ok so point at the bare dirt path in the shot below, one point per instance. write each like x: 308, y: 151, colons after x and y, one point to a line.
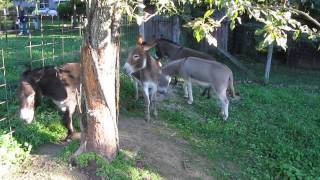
x: 160, y: 147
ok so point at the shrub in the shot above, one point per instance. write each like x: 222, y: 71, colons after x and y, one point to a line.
x: 12, y: 152
x: 65, y: 10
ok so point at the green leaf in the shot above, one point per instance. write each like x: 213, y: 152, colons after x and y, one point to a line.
x: 259, y: 32
x: 296, y: 34
x: 198, y: 34
x: 208, y: 13
x: 232, y: 25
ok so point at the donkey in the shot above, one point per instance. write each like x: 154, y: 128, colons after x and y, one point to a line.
x: 146, y: 70
x: 162, y: 82
x: 205, y: 73
x: 61, y: 84
x: 172, y: 51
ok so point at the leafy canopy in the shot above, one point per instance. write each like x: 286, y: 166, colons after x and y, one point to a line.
x: 279, y: 17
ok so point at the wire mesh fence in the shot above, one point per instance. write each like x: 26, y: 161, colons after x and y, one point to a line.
x: 129, y: 33
x: 49, y: 41
x: 52, y: 41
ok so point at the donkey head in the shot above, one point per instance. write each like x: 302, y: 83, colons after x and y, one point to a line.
x: 137, y: 57
x: 28, y: 93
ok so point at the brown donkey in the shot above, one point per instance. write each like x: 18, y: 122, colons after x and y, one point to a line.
x: 205, y: 73
x: 147, y: 71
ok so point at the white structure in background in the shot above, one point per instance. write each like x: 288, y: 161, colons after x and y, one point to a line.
x: 49, y: 7
x: 46, y: 7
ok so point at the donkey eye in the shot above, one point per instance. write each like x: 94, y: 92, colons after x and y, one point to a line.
x: 136, y: 57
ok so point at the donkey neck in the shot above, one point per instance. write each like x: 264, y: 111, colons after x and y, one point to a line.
x: 171, y: 49
x: 150, y: 63
x: 50, y: 85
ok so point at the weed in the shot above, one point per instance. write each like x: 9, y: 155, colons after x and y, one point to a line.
x: 122, y: 167
x: 12, y: 153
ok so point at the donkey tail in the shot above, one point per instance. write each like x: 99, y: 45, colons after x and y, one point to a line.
x: 231, y: 87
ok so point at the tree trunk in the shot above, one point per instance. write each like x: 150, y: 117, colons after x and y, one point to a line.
x: 100, y: 79
x: 268, y: 64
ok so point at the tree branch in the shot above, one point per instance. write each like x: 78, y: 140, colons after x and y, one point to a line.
x: 306, y: 15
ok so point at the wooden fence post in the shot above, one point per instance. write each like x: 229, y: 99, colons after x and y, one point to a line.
x: 268, y: 65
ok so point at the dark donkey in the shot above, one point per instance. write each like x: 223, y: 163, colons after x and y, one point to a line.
x: 61, y: 84
x: 173, y: 51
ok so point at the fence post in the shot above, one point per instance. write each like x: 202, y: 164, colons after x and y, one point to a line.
x: 62, y: 40
x: 141, y: 14
x: 42, y: 43
x: 176, y: 30
x: 30, y: 48
x: 268, y: 65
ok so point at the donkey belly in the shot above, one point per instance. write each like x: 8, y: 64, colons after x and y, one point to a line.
x: 199, y: 82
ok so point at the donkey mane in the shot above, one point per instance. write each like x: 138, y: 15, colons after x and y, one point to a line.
x: 169, y: 41
x: 38, y: 69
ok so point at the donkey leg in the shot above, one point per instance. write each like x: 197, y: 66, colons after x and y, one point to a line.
x: 175, y: 81
x: 136, y: 88
x: 185, y: 89
x: 146, y: 103
x: 67, y: 120
x: 204, y: 92
x: 189, y: 85
x: 208, y: 90
x: 224, y: 104
x: 154, y: 101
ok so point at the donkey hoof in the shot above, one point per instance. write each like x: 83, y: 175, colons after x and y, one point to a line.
x: 190, y: 102
x: 225, y: 117
x: 155, y: 114
x: 147, y: 118
x: 69, y: 137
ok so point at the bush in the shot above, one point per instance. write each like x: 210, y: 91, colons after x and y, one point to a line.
x: 12, y: 152
x: 65, y: 10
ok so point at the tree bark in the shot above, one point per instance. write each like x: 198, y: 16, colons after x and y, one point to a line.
x: 100, y: 79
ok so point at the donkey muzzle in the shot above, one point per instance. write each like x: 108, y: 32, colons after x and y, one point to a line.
x: 128, y: 68
x: 26, y: 115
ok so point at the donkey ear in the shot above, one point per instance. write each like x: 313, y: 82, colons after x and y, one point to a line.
x: 140, y: 41
x: 159, y: 63
x: 38, y: 75
x: 28, y: 67
x: 147, y: 46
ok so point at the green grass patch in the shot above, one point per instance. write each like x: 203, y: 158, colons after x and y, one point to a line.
x: 122, y: 167
x: 271, y: 133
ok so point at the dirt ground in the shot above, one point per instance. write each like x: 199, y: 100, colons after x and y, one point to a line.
x: 160, y: 147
